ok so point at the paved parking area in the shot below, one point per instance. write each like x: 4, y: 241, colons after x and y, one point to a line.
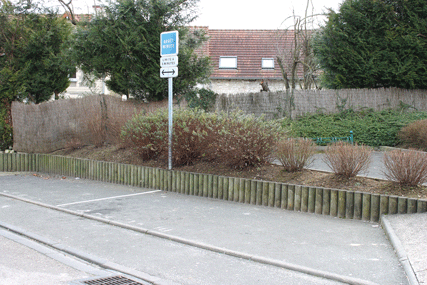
x: 193, y: 240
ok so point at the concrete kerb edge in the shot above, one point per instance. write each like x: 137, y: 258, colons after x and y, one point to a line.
x: 87, y: 257
x: 400, y: 251
x: 49, y: 251
x: 156, y: 280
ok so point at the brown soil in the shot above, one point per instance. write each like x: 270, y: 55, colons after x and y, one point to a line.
x: 264, y: 172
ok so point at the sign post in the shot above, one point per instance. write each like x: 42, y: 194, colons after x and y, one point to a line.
x: 169, y: 69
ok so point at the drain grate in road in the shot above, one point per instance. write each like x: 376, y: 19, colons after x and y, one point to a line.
x: 111, y: 280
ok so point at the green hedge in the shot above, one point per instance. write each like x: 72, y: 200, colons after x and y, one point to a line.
x: 373, y: 128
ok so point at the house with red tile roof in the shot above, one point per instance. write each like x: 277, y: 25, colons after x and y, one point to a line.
x: 243, y: 59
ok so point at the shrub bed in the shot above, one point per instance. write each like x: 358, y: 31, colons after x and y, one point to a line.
x: 373, y: 128
x: 235, y: 139
x: 346, y: 159
x: 295, y: 154
x: 414, y: 135
x: 406, y: 167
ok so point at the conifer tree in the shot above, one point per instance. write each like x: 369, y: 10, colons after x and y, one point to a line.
x: 34, y: 61
x: 374, y: 43
x: 122, y: 45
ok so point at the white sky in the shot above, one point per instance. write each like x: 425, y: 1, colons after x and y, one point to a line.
x: 264, y: 14
x: 242, y: 14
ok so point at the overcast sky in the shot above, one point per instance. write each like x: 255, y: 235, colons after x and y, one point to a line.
x: 264, y: 14
x: 243, y: 14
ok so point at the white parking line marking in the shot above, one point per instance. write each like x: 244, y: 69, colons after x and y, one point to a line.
x: 108, y: 198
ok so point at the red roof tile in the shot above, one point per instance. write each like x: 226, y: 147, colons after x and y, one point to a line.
x: 250, y: 47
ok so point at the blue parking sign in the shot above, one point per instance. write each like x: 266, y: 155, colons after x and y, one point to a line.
x: 169, y: 43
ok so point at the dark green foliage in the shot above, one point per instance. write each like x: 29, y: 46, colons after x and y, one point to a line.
x: 201, y: 98
x: 6, y: 134
x: 34, y: 61
x: 373, y: 128
x: 123, y: 45
x: 45, y: 59
x: 374, y: 43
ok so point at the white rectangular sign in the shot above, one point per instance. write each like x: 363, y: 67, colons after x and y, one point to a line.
x: 169, y: 72
x: 169, y: 61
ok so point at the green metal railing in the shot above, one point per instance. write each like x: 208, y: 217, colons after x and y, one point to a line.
x: 325, y: 141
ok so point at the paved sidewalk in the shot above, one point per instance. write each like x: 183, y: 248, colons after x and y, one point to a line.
x: 169, y: 238
x: 408, y: 234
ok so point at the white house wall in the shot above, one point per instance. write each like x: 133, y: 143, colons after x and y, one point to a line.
x: 236, y: 86
x: 79, y: 89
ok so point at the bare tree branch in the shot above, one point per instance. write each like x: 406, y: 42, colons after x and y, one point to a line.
x: 68, y: 6
x: 299, y: 58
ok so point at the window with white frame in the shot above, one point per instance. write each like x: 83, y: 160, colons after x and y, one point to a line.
x: 267, y: 63
x: 228, y: 62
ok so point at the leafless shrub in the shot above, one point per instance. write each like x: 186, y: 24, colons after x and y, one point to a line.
x: 346, y: 159
x: 294, y: 154
x: 414, y: 135
x: 245, y: 141
x: 406, y: 167
x: 191, y: 136
x: 73, y: 144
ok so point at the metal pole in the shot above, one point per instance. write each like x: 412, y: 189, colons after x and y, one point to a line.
x: 170, y: 122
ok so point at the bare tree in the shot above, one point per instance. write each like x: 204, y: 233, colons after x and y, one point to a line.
x: 298, y: 58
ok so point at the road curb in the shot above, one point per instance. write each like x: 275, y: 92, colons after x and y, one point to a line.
x: 400, y: 251
x: 103, y: 263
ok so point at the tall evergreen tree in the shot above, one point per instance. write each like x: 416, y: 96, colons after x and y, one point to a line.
x: 374, y: 43
x: 122, y: 45
x: 34, y: 52
x: 46, y: 57
x: 34, y: 61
